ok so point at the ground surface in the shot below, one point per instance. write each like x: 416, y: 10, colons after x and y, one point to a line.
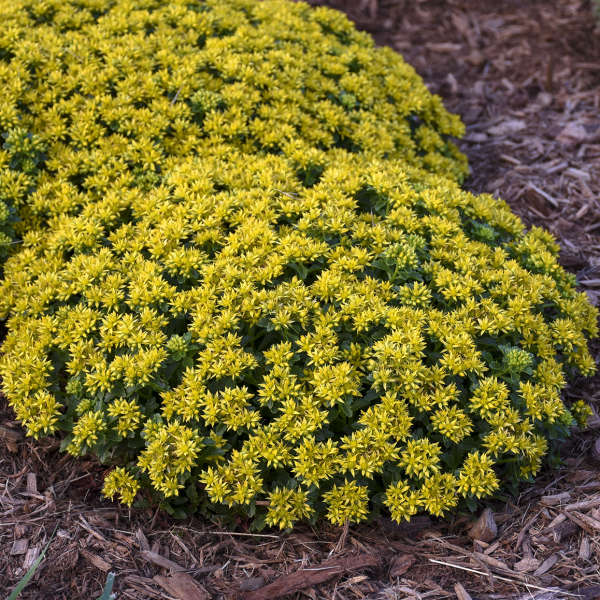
x: 525, y: 77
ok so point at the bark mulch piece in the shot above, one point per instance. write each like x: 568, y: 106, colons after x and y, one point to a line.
x: 525, y: 77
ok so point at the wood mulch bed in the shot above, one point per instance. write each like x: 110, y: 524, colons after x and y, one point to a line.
x: 525, y: 77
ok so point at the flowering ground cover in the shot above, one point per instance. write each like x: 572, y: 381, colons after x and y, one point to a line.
x: 99, y: 558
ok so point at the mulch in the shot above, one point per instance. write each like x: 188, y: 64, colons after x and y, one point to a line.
x: 525, y: 78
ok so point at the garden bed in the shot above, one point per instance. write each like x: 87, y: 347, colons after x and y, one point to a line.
x: 525, y: 78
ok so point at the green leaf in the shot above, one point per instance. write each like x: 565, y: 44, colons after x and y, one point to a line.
x: 107, y: 592
x: 30, y: 573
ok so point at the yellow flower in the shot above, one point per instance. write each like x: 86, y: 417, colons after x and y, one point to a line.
x: 120, y: 482
x: 347, y: 502
x: 477, y: 476
x: 287, y: 506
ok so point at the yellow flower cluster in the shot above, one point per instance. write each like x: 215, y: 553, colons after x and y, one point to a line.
x: 117, y: 91
x: 292, y: 345
x: 248, y: 274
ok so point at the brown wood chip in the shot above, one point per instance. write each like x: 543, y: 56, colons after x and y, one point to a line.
x: 461, y: 593
x: 492, y: 562
x: 527, y: 565
x: 485, y: 528
x: 11, y: 437
x: 182, y: 586
x: 546, y: 565
x: 160, y: 560
x: 30, y: 557
x: 32, y: 483
x: 19, y: 546
x: 401, y: 564
x: 96, y: 560
x: 555, y: 499
x: 304, y: 578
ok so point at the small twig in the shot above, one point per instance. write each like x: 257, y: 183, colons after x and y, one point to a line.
x: 288, y: 194
x: 240, y: 534
x: 175, y: 97
x: 500, y: 578
x: 545, y: 195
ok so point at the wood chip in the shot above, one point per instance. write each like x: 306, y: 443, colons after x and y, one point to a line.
x: 555, y: 522
x: 11, y: 438
x: 507, y: 127
x: 19, y: 546
x: 543, y: 194
x: 142, y: 540
x: 578, y: 174
x: 96, y: 560
x: 251, y: 584
x: 443, y: 47
x: 564, y: 531
x: 182, y: 586
x: 30, y: 557
x: 485, y: 527
x: 527, y: 565
x: 304, y: 578
x: 586, y: 522
x: 585, y: 550
x: 32, y: 483
x: 572, y: 134
x: 91, y: 530
x: 546, y: 565
x: 461, y: 593
x: 593, y: 283
x: 160, y: 560
x: 492, y: 562
x: 401, y: 564
x: 555, y: 499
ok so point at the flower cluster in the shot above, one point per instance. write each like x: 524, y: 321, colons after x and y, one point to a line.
x: 249, y: 278
x: 236, y: 328
x: 115, y: 91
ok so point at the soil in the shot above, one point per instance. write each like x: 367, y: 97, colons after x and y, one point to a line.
x: 525, y: 78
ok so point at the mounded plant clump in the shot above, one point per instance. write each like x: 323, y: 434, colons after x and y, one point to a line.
x: 380, y: 338
x: 121, y: 91
x: 248, y: 279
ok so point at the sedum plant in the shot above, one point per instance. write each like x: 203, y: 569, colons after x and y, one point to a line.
x: 116, y: 90
x: 21, y: 157
x: 248, y: 279
x: 241, y: 341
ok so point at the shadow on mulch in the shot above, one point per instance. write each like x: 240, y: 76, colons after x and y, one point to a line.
x: 525, y: 77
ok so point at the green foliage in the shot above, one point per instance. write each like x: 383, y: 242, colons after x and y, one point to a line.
x: 108, y: 586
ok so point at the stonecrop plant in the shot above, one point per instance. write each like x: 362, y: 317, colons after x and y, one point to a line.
x: 378, y: 339
x: 247, y: 279
x: 122, y: 89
